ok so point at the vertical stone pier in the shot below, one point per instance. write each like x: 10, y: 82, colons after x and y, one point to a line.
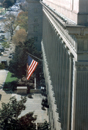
x: 65, y: 61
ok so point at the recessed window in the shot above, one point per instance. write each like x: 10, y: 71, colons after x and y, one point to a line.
x: 36, y: 20
x: 36, y: 39
x: 35, y: 28
x: 35, y: 10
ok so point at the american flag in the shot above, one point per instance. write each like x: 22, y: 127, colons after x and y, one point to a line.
x: 31, y: 66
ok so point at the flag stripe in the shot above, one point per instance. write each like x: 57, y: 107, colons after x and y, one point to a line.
x: 31, y: 67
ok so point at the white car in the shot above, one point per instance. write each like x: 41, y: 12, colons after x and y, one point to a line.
x: 5, y: 54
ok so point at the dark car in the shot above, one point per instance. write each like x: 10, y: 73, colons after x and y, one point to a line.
x: 1, y: 31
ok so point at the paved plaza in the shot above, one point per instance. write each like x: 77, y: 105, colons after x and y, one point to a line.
x: 32, y: 104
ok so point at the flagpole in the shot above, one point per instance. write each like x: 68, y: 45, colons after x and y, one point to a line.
x: 35, y: 82
x: 34, y: 56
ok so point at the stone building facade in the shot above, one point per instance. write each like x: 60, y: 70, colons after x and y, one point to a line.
x: 65, y: 62
x: 35, y: 22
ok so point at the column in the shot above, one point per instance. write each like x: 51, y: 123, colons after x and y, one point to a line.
x: 73, y: 97
x: 63, y: 83
x: 66, y: 90
x: 70, y: 91
x: 60, y: 75
x: 81, y: 107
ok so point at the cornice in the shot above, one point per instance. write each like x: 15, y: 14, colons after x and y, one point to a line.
x: 77, y: 29
x: 71, y: 27
x: 58, y: 25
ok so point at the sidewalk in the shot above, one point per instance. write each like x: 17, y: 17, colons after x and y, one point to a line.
x: 4, y: 96
x: 34, y: 105
x: 3, y: 75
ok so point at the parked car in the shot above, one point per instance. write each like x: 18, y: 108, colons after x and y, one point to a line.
x: 2, y: 36
x: 5, y: 54
x: 10, y: 56
x: 2, y: 31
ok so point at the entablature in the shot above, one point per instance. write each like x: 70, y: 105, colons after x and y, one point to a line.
x: 58, y: 25
x: 74, y: 36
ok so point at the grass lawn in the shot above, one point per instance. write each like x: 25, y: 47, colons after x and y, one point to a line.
x: 10, y: 83
x: 10, y: 77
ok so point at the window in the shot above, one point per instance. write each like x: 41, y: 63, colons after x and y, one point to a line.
x: 36, y: 39
x: 35, y: 10
x: 36, y: 20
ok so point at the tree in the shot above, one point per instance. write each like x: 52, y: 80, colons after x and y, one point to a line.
x: 26, y: 122
x: 19, y: 62
x: 2, y: 66
x: 22, y: 20
x: 44, y: 126
x: 9, y: 116
x: 9, y: 25
x: 24, y: 6
x: 1, y: 1
x: 8, y: 3
x: 19, y: 37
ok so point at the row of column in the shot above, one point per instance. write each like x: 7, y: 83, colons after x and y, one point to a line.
x: 52, y: 111
x: 69, y: 79
x: 81, y: 105
x: 60, y: 64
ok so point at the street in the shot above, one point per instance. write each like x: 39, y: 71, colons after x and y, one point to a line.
x: 6, y: 57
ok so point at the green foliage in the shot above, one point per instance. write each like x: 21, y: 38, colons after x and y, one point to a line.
x: 22, y: 20
x: 9, y: 116
x: 19, y: 62
x: 5, y: 44
x: 10, y: 77
x: 2, y: 66
x: 10, y: 112
x: 10, y: 86
x: 10, y: 82
x: 8, y: 3
x: 27, y: 122
x: 0, y: 54
x: 44, y: 126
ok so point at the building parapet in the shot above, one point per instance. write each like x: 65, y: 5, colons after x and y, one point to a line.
x: 70, y: 33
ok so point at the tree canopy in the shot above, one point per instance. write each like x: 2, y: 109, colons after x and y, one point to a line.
x: 9, y: 25
x: 44, y: 126
x: 19, y: 62
x: 8, y: 3
x: 19, y: 37
x: 22, y: 20
x: 9, y: 116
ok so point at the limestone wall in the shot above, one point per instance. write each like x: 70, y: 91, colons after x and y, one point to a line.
x: 75, y: 10
x: 65, y: 60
